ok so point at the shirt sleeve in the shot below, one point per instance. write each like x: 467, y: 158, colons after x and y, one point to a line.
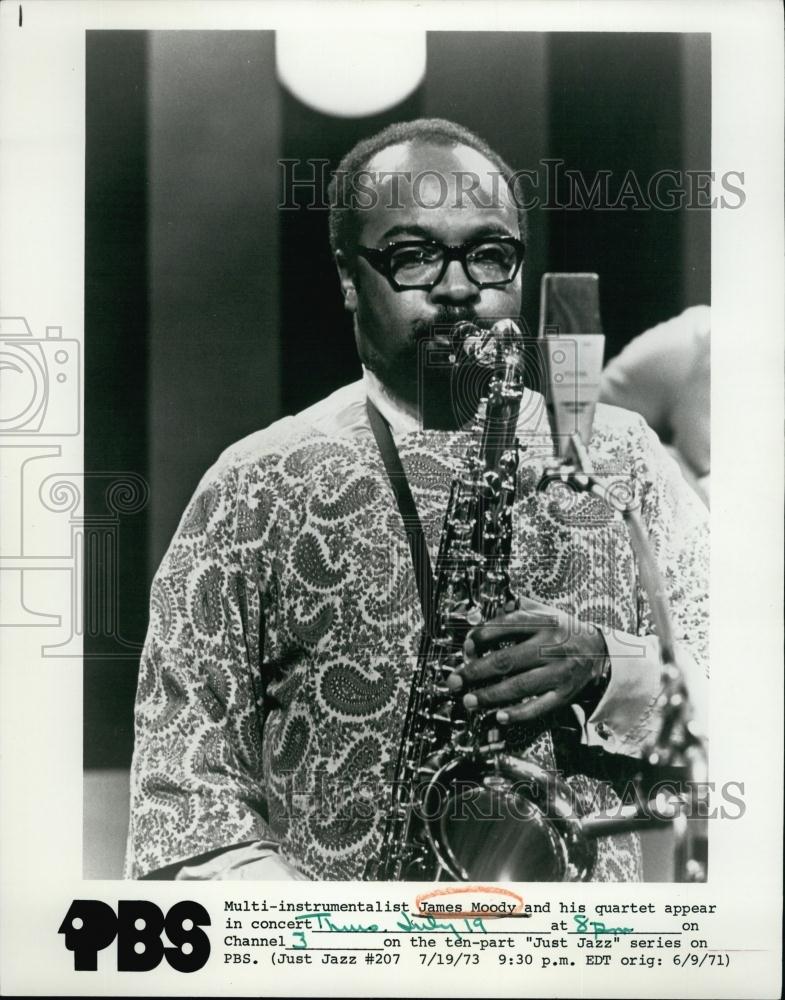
x: 626, y: 717
x: 196, y: 770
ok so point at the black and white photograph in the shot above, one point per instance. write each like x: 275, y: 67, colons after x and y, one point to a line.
x: 281, y: 271
x: 382, y: 524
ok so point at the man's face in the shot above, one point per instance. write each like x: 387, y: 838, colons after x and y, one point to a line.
x: 389, y: 324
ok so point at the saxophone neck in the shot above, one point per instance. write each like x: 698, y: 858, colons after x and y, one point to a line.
x: 502, y: 406
x: 499, y: 349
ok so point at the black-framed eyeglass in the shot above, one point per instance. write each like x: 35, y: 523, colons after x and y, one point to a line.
x: 491, y: 262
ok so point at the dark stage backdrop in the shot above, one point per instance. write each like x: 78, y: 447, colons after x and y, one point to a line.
x: 209, y: 313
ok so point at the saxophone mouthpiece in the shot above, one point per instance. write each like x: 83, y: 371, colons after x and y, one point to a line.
x: 484, y: 347
x: 481, y: 347
x: 462, y: 337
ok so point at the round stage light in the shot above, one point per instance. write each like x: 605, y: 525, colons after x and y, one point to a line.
x: 351, y: 74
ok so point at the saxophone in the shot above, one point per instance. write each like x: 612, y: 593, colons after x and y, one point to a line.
x: 462, y: 807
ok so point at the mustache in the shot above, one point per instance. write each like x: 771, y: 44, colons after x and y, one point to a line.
x: 447, y: 318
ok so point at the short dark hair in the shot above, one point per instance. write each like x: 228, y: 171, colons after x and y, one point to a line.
x: 345, y: 216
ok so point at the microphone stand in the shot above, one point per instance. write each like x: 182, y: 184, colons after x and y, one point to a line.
x: 677, y: 744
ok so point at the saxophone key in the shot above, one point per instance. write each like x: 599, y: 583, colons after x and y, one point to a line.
x: 451, y: 663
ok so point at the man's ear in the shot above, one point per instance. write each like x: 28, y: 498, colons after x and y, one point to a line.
x: 346, y: 274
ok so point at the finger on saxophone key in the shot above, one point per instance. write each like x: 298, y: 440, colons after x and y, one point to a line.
x: 455, y: 681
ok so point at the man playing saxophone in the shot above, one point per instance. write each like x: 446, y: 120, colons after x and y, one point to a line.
x: 285, y: 621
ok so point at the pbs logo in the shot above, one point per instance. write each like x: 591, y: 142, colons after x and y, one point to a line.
x: 138, y: 925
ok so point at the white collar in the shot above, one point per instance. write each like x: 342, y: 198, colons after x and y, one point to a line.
x: 402, y: 418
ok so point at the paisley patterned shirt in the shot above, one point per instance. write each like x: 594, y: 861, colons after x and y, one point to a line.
x: 285, y: 624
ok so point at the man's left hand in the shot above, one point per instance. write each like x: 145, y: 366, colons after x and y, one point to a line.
x: 528, y: 662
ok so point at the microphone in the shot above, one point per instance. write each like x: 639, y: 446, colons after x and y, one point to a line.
x: 574, y: 346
